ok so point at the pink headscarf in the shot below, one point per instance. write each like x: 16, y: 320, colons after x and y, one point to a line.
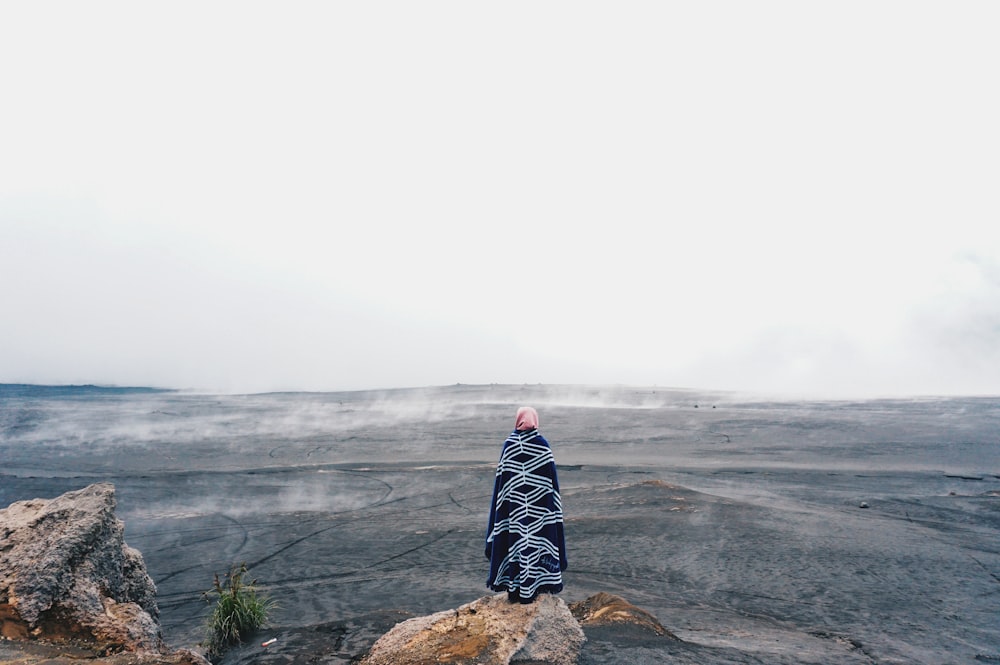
x: 527, y: 419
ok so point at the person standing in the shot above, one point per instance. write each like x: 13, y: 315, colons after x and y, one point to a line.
x: 525, y: 543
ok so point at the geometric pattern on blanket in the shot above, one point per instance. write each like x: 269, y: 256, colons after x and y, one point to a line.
x: 524, y: 540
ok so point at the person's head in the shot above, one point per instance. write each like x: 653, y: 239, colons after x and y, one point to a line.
x: 527, y: 419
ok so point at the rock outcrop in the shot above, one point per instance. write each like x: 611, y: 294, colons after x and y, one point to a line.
x: 605, y: 609
x: 42, y: 653
x: 488, y: 631
x: 66, y: 574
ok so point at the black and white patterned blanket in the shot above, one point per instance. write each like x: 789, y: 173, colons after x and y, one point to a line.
x: 524, y: 541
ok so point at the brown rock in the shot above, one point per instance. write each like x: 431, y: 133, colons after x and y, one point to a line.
x: 67, y: 574
x: 41, y: 653
x: 488, y: 631
x: 605, y: 609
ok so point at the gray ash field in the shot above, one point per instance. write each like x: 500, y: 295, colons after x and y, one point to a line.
x: 737, y: 522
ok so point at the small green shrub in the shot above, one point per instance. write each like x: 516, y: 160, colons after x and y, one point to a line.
x: 239, y: 610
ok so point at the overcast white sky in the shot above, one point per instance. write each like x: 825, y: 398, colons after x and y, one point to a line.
x: 794, y: 197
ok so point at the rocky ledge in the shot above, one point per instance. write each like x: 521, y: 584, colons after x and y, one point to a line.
x: 605, y: 609
x: 487, y: 631
x: 69, y: 583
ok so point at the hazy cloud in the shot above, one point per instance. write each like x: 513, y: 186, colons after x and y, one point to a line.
x: 244, y: 197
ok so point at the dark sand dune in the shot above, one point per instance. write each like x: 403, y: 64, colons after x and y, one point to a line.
x: 736, y: 522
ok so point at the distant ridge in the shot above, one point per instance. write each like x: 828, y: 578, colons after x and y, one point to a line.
x: 33, y: 390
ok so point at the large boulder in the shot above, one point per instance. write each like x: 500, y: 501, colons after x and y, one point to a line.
x: 67, y: 574
x: 488, y: 631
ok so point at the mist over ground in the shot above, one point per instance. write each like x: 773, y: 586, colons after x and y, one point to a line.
x: 737, y: 521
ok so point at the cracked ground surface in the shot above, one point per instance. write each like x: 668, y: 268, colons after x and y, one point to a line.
x: 737, y: 523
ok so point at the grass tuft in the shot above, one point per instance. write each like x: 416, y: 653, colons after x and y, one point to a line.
x: 240, y: 610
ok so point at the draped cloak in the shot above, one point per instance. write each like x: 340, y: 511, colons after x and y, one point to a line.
x: 524, y: 539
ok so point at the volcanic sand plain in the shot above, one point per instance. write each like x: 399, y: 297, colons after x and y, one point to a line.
x: 757, y: 531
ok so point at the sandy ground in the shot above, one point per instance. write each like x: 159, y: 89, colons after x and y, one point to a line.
x: 737, y: 522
